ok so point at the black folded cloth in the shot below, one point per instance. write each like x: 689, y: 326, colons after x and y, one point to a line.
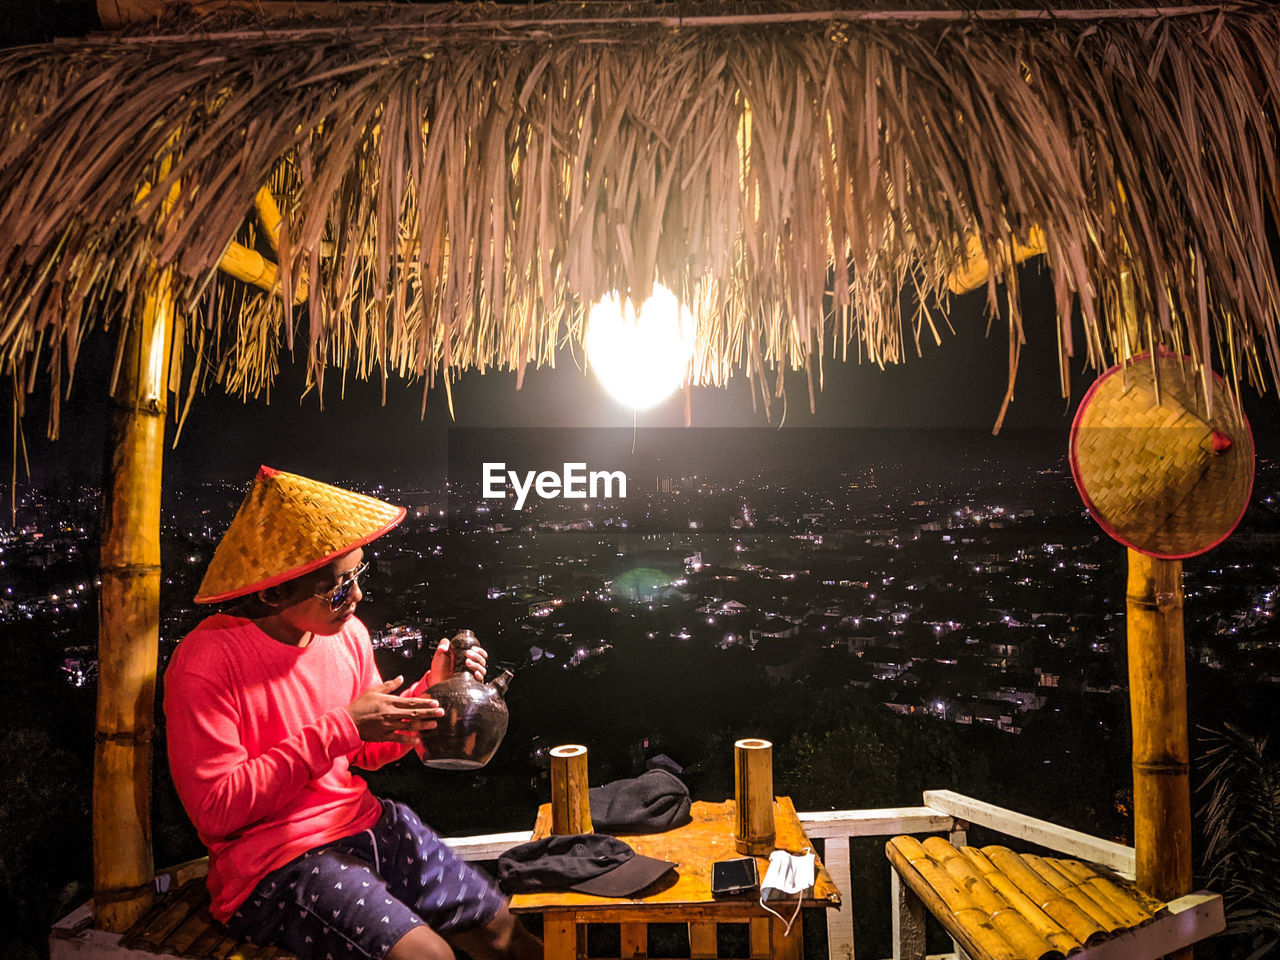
x: 656, y: 800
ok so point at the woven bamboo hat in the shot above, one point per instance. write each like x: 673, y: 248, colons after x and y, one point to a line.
x: 1156, y: 471
x: 287, y: 526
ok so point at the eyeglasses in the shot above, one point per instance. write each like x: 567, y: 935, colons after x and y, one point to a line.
x: 337, y: 597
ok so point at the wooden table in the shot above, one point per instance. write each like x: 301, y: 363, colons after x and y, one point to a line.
x: 693, y: 848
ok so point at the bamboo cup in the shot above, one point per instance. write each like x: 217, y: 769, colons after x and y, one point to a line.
x: 570, y: 807
x: 753, y: 794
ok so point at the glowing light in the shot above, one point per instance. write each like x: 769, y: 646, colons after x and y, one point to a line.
x: 640, y: 358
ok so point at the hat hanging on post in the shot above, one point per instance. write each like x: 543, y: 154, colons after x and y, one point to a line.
x: 1156, y: 471
x: 287, y: 526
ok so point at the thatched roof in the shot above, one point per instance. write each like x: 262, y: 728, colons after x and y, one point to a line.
x: 458, y: 182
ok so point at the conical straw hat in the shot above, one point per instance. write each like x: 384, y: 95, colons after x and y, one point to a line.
x: 1156, y: 471
x: 287, y: 526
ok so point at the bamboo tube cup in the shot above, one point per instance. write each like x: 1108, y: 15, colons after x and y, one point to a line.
x: 753, y: 795
x: 570, y: 807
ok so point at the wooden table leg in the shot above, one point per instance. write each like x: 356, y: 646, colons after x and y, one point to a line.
x: 761, y: 945
x: 786, y: 947
x: 908, y: 921
x: 702, y: 941
x: 635, y: 940
x: 835, y: 856
x: 562, y: 938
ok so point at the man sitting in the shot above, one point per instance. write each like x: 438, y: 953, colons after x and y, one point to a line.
x: 268, y: 709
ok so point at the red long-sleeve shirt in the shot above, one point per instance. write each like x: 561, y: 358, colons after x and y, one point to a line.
x: 261, y: 747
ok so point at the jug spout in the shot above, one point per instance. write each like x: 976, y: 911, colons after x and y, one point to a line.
x: 501, y: 682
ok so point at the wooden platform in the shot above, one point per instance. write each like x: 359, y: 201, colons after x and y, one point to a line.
x: 1001, y: 905
x: 180, y: 925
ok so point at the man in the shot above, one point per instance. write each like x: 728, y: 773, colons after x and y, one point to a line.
x: 267, y: 711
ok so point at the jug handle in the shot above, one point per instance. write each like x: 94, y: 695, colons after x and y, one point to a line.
x: 462, y: 641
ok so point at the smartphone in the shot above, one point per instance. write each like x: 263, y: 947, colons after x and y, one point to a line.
x: 729, y: 877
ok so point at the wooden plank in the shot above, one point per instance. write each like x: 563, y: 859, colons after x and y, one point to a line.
x: 487, y: 846
x: 840, y: 922
x: 760, y: 938
x: 702, y: 941
x: 635, y: 940
x: 629, y: 911
x: 188, y: 900
x: 179, y: 874
x: 786, y: 946
x: 215, y: 942
x: 222, y: 949
x: 562, y: 938
x: 75, y: 921
x: 188, y: 932
x: 1190, y: 919
x: 1062, y: 839
x: 908, y: 921
x: 203, y: 943
x: 883, y: 822
x: 959, y: 837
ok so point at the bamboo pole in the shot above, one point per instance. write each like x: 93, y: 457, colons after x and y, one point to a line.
x: 754, y: 831
x: 272, y: 221
x: 1018, y: 930
x: 1161, y: 750
x: 944, y: 898
x: 119, y: 13
x: 129, y: 619
x: 977, y: 268
x: 570, y: 806
x: 249, y: 266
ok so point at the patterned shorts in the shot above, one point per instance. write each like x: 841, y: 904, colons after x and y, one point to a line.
x: 353, y: 899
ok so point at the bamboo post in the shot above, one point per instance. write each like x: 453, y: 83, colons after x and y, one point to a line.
x: 129, y: 619
x: 118, y: 13
x: 1161, y: 750
x: 250, y: 266
x: 753, y: 796
x: 570, y: 807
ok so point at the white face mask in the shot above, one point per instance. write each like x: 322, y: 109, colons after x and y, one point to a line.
x: 788, y: 874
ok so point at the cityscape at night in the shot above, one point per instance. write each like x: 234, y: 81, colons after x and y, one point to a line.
x: 964, y: 622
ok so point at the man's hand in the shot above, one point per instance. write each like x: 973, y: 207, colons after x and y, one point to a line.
x: 441, y: 663
x: 381, y: 715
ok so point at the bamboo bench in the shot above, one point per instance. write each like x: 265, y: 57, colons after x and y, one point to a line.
x: 180, y: 925
x: 1000, y: 905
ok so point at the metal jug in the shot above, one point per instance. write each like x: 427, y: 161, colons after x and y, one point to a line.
x: 475, y: 714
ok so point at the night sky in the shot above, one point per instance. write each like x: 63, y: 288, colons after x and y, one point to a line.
x: 958, y: 385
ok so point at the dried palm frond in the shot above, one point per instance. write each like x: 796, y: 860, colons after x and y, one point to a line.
x: 455, y: 186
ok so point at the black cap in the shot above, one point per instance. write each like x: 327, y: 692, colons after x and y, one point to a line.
x: 654, y: 801
x: 585, y: 862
